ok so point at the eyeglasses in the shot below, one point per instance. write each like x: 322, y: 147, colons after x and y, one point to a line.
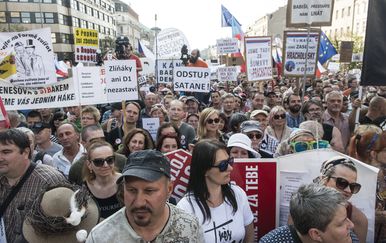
x: 223, y: 165
x: 100, y: 162
x: 281, y: 116
x: 303, y: 146
x: 342, y: 184
x: 215, y: 120
x: 255, y: 135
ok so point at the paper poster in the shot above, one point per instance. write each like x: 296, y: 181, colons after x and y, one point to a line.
x: 86, y: 45
x: 165, y: 70
x: 227, y: 46
x: 258, y: 58
x: 27, y: 58
x: 192, y: 79
x: 151, y: 125
x: 302, y: 13
x: 225, y: 74
x: 92, y: 89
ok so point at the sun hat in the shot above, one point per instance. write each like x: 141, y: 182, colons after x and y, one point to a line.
x: 242, y: 141
x: 250, y: 126
x: 53, y: 218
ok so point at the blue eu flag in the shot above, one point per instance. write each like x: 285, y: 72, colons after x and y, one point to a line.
x: 326, y: 49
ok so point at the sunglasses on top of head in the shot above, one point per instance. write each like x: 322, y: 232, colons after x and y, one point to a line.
x: 342, y: 184
x: 99, y: 162
x: 223, y: 165
x: 215, y: 120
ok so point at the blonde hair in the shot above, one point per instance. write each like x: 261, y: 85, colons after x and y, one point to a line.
x: 205, y: 114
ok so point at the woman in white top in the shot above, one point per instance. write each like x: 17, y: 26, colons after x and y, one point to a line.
x: 222, y: 208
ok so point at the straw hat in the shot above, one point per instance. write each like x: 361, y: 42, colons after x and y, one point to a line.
x: 52, y: 217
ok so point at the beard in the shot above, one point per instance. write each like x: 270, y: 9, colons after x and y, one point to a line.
x: 193, y: 59
x: 295, y: 108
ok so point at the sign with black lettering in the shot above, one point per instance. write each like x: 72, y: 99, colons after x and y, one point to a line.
x: 225, y: 74
x: 258, y: 55
x: 121, y: 80
x: 227, y: 46
x: 165, y: 70
x: 92, y: 87
x: 295, y: 53
x: 192, y: 79
x: 86, y: 45
x: 303, y: 13
x: 346, y: 50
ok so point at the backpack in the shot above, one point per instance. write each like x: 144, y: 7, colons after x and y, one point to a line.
x: 39, y: 157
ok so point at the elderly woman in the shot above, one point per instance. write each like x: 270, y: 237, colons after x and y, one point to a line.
x: 159, y: 111
x: 90, y: 116
x: 212, y: 198
x: 278, y: 124
x: 240, y: 146
x: 137, y: 139
x: 100, y: 176
x: 369, y: 145
x: 341, y: 174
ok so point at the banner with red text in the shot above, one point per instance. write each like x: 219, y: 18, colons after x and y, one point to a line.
x: 259, y: 178
x: 179, y: 172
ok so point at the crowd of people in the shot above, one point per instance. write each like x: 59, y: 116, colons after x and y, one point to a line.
x: 102, y: 154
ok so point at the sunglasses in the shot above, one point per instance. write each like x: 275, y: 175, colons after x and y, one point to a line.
x: 215, y: 120
x: 100, y: 162
x: 255, y: 135
x: 223, y: 165
x: 303, y: 146
x: 342, y: 184
x: 277, y: 117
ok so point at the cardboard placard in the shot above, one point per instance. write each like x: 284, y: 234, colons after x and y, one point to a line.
x: 303, y: 13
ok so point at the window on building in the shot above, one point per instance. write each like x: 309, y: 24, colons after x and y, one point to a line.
x: 26, y: 17
x: 121, y: 29
x: 38, y: 18
x: 342, y: 12
x: 83, y: 23
x: 336, y: 14
x: 53, y: 38
x: 15, y: 17
x: 348, y: 11
x: 24, y: 1
x: 73, y: 4
x: 47, y: 1
x: 49, y: 18
x: 3, y: 19
x: 348, y: 30
x: 82, y: 8
x: 364, y: 8
x: 363, y: 26
x: 65, y: 38
x: 341, y: 31
x: 336, y: 33
x: 357, y: 28
x: 75, y: 22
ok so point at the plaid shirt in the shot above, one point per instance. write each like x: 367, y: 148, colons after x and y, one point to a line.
x: 269, y: 143
x: 42, y: 176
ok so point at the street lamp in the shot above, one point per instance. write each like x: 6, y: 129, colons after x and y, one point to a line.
x: 156, y: 31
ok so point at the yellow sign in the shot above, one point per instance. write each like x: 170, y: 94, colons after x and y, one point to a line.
x: 86, y: 37
x: 7, y: 66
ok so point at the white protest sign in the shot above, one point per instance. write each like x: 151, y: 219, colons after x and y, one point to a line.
x: 258, y: 58
x: 169, y: 42
x: 301, y: 13
x: 333, y: 66
x: 228, y: 45
x: 121, y: 80
x: 302, y: 168
x: 225, y: 74
x: 148, y: 66
x: 295, y: 45
x: 60, y: 94
x: 165, y: 70
x: 151, y: 125
x: 192, y: 79
x: 27, y: 58
x: 92, y: 89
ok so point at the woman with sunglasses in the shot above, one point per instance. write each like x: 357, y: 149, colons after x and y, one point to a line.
x: 100, y: 176
x: 341, y: 173
x: 212, y: 198
x: 369, y: 145
x: 57, y: 120
x: 278, y: 124
x: 208, y: 125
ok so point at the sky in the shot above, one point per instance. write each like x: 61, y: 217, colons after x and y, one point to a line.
x: 200, y: 20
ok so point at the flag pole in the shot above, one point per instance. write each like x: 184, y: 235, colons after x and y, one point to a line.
x: 305, y: 65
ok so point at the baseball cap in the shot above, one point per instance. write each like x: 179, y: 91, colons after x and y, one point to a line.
x: 39, y: 126
x: 147, y: 164
x: 257, y: 112
x: 192, y: 98
x: 250, y: 126
x: 242, y: 141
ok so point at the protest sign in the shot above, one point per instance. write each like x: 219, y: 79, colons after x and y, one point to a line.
x: 346, y: 50
x: 169, y: 43
x: 179, y: 172
x: 191, y: 79
x: 151, y: 125
x: 148, y: 66
x: 121, y: 80
x: 333, y: 66
x: 303, y: 13
x: 63, y: 94
x: 27, y: 58
x: 357, y: 57
x: 165, y: 70
x: 258, y: 58
x: 295, y: 48
x: 225, y: 74
x: 92, y: 89
x: 86, y: 45
x: 227, y: 46
x: 301, y: 168
x: 259, y: 179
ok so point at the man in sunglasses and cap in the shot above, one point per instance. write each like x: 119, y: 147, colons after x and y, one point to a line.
x: 147, y: 217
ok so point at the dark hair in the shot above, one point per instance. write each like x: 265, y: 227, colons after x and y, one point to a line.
x: 89, y: 128
x: 55, y: 117
x: 149, y: 144
x: 225, y: 119
x: 34, y: 113
x: 161, y: 139
x: 235, y: 121
x: 203, y: 157
x: 76, y: 129
x: 16, y: 137
x: 166, y: 125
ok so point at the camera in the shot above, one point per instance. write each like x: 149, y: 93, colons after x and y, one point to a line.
x: 121, y: 43
x: 184, y: 55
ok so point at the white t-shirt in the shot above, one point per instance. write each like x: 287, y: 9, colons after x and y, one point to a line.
x: 224, y: 226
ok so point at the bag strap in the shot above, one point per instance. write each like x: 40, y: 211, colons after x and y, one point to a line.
x: 16, y: 189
